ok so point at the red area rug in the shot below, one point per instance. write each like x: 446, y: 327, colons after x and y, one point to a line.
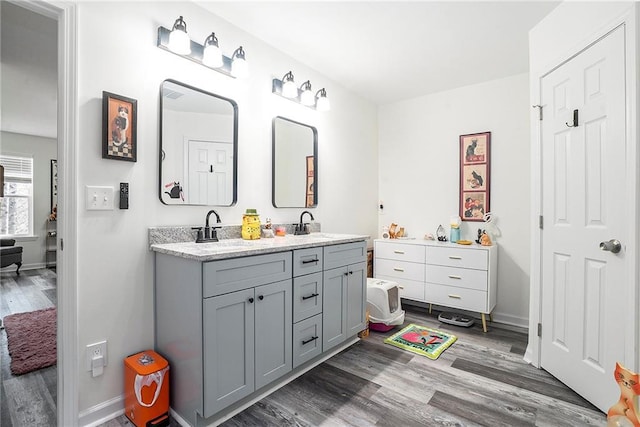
x: 31, y: 338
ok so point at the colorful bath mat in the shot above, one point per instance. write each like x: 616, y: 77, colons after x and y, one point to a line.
x: 422, y: 340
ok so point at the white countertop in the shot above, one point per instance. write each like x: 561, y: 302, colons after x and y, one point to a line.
x: 423, y: 242
x: 232, y: 248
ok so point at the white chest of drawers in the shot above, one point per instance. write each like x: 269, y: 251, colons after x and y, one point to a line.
x: 445, y: 274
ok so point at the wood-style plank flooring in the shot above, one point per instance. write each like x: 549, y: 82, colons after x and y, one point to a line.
x: 481, y: 380
x: 29, y: 399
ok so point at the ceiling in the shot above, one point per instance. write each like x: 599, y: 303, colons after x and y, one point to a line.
x: 389, y: 51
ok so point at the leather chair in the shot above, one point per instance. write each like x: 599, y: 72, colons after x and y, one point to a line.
x: 10, y: 254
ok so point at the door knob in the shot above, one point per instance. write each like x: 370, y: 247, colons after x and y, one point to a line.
x: 612, y: 246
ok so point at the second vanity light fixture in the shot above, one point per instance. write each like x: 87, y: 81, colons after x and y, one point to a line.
x: 287, y: 88
x: 208, y: 54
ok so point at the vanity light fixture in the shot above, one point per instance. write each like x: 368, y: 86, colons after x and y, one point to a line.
x: 179, y: 41
x: 239, y: 67
x: 302, y: 95
x: 212, y: 56
x: 322, y: 102
x: 289, y: 88
x: 208, y: 54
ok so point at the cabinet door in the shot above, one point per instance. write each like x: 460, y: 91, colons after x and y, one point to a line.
x: 356, y: 298
x: 334, y: 322
x: 273, y: 331
x: 228, y: 349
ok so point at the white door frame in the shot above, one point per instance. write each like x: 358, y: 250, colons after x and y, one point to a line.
x: 66, y: 15
x: 632, y: 303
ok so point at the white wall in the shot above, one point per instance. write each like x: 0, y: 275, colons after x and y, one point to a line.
x: 117, y: 53
x: 42, y: 150
x: 419, y: 181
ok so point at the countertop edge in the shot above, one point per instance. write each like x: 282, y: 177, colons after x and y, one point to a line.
x: 234, y: 252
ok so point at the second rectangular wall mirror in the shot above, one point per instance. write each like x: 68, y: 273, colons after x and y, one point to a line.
x: 295, y: 164
x: 198, y: 147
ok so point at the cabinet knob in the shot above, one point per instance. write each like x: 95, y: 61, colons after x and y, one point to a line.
x: 346, y: 273
x: 261, y: 297
x: 251, y: 300
x: 351, y: 272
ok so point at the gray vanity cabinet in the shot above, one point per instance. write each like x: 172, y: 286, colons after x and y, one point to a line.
x: 344, y: 288
x: 247, y: 343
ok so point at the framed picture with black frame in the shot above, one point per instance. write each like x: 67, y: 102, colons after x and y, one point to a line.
x: 475, y: 175
x: 119, y: 121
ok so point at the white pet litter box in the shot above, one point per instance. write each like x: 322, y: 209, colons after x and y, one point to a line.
x: 383, y: 301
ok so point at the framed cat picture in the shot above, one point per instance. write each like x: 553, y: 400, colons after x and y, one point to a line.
x: 475, y: 175
x: 119, y: 121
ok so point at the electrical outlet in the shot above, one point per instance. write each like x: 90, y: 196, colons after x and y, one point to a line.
x: 96, y: 350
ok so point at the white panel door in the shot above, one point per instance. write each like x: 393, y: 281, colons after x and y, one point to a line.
x: 210, y: 173
x: 583, y: 177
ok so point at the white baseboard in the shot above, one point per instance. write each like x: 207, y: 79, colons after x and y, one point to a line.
x: 102, y: 412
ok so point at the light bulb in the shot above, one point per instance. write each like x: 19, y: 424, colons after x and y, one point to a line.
x: 179, y: 41
x: 322, y: 103
x: 289, y: 89
x: 239, y: 67
x: 212, y: 56
x: 307, y: 98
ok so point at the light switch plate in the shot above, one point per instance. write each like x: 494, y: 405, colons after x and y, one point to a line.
x: 99, y: 198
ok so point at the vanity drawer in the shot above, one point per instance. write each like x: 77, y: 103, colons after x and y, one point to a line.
x: 451, y: 296
x: 230, y: 275
x: 344, y: 254
x: 460, y: 277
x: 399, y: 269
x: 458, y: 257
x: 307, y: 261
x: 399, y: 251
x: 307, y: 296
x: 307, y: 340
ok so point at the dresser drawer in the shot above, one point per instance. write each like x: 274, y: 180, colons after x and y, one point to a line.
x: 409, y: 289
x: 399, y: 269
x: 458, y: 257
x: 307, y: 261
x: 230, y: 275
x: 307, y: 296
x: 460, y: 277
x: 451, y: 296
x: 307, y: 339
x: 399, y: 251
x: 344, y: 254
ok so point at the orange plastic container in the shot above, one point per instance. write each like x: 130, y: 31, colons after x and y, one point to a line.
x: 146, y: 389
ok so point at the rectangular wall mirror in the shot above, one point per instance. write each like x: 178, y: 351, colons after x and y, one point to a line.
x: 198, y: 147
x: 295, y: 164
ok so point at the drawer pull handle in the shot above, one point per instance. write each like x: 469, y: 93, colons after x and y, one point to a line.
x: 399, y: 252
x: 454, y: 277
x: 310, y: 296
x: 309, y: 261
x: 455, y: 296
x: 454, y: 257
x: 398, y: 269
x: 309, y: 340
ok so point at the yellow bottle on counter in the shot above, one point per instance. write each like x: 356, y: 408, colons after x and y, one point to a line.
x: 250, y: 225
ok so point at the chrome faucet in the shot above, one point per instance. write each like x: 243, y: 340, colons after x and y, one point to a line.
x: 210, y: 234
x: 303, y: 228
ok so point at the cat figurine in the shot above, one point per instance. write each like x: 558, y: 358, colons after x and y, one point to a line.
x: 626, y: 411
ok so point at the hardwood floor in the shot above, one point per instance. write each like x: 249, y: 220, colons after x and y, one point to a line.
x: 29, y: 399
x: 479, y: 381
